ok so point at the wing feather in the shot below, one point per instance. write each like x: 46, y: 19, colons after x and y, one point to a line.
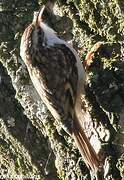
x: 58, y: 76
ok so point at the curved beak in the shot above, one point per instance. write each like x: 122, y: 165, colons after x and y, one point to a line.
x: 40, y: 14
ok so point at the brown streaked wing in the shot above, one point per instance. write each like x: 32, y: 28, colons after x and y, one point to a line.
x: 57, y: 65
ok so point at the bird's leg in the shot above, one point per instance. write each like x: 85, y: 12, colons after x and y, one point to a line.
x: 89, y: 57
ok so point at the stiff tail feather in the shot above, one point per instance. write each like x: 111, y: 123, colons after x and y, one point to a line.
x: 88, y: 153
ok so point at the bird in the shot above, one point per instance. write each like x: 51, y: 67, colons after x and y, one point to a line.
x: 59, y: 78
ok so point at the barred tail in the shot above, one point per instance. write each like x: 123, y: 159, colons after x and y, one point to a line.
x: 88, y: 153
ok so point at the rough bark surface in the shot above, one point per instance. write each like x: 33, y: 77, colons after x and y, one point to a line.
x: 32, y: 145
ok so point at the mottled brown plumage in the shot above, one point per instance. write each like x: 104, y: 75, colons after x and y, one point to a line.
x: 59, y: 77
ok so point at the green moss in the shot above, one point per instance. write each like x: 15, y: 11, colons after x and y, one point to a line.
x: 120, y: 165
x: 89, y: 22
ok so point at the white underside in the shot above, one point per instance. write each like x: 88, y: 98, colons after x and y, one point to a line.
x: 51, y: 39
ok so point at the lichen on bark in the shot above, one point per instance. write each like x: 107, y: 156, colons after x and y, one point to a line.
x: 33, y: 144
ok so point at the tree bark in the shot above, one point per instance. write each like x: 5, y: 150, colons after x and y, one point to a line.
x: 32, y: 145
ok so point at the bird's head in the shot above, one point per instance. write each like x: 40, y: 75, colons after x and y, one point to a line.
x: 33, y: 36
x: 37, y: 19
